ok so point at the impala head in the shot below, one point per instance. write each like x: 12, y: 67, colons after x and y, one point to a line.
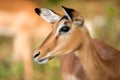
x: 68, y: 34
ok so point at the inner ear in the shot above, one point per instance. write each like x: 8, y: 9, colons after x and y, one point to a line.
x: 78, y: 21
x: 48, y: 15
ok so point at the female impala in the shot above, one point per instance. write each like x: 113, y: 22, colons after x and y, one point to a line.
x: 75, y: 70
x: 70, y: 35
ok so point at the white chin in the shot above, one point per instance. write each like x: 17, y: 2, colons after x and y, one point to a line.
x: 41, y: 61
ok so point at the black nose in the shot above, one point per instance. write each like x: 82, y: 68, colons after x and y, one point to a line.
x: 36, y: 54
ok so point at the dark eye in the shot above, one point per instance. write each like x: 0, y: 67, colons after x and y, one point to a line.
x: 65, y: 29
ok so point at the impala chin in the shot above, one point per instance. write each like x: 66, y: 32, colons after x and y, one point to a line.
x: 43, y: 60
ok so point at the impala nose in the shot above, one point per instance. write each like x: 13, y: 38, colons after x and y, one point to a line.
x: 37, y: 54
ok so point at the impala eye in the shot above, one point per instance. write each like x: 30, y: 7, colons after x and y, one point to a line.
x: 64, y: 29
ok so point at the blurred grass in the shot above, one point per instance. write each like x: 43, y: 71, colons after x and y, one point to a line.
x: 49, y: 71
x: 5, y: 50
x: 15, y: 71
x: 8, y: 71
x: 5, y: 72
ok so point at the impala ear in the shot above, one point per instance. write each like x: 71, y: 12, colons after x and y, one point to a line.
x: 68, y: 12
x: 48, y: 15
x: 74, y: 16
x: 79, y: 21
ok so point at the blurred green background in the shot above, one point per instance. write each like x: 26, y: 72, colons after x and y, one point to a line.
x: 101, y: 15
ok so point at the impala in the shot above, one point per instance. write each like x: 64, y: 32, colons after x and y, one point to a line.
x: 97, y: 61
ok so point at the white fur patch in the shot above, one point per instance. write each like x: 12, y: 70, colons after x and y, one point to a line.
x: 76, y: 53
x: 59, y: 27
x: 43, y: 62
x: 49, y: 15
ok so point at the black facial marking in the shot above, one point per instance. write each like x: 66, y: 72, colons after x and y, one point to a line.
x: 36, y: 54
x: 37, y: 10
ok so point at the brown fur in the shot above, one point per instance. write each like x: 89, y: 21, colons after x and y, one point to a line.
x: 71, y: 64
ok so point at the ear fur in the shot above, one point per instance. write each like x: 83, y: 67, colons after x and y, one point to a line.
x: 74, y: 16
x: 68, y: 12
x: 78, y: 21
x: 48, y: 15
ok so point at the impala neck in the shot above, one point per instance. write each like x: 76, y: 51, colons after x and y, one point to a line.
x: 91, y: 61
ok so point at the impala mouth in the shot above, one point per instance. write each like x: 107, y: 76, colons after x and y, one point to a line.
x: 43, y: 60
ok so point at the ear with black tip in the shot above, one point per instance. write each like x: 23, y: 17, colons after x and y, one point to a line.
x: 68, y: 12
x: 37, y: 10
x: 48, y: 15
x: 74, y: 16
